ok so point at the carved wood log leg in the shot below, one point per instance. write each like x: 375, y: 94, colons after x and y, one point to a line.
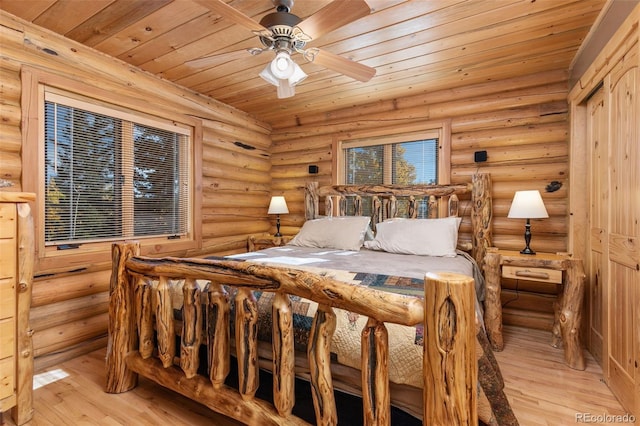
x: 450, y: 366
x: 283, y: 355
x: 375, y: 374
x: 319, y: 354
x: 247, y: 342
x: 164, y: 323
x: 556, y: 333
x: 191, y: 328
x: 571, y: 315
x: 122, y: 333
x: 218, y: 340
x: 492, y: 303
x: 145, y: 316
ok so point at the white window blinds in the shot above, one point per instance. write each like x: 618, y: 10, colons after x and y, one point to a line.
x: 109, y: 176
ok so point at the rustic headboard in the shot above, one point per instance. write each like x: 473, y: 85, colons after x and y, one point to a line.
x: 384, y: 202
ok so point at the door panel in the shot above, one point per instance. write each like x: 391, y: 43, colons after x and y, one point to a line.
x: 597, y: 135
x: 624, y: 232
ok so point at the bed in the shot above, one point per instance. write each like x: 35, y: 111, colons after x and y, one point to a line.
x: 342, y: 295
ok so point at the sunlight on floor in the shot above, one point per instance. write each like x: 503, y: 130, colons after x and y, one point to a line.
x: 43, y: 379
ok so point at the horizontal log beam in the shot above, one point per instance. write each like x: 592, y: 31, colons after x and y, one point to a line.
x: 396, y: 190
x: 381, y: 305
x: 224, y: 399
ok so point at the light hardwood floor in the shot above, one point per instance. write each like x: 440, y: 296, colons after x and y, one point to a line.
x: 540, y: 387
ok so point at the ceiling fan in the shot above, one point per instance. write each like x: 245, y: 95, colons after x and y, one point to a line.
x: 285, y: 34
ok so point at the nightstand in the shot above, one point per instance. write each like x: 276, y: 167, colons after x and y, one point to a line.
x: 543, y: 267
x: 260, y: 242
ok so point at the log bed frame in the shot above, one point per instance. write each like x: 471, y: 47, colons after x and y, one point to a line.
x: 140, y: 344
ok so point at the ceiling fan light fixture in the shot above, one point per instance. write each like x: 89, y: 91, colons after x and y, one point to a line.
x: 298, y: 75
x: 282, y: 66
x: 285, y: 90
x: 268, y: 76
x: 283, y: 73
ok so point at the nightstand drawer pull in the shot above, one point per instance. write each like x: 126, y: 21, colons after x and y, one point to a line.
x: 532, y: 274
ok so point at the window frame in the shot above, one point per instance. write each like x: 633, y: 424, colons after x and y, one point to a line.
x: 430, y: 130
x: 35, y: 83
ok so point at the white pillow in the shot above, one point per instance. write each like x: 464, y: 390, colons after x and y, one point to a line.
x: 341, y: 233
x: 429, y: 237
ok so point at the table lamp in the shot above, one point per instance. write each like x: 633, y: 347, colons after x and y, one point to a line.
x: 527, y: 205
x: 278, y: 206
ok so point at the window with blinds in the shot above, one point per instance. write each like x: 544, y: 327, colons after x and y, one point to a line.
x: 110, y: 175
x: 397, y: 159
x: 404, y: 163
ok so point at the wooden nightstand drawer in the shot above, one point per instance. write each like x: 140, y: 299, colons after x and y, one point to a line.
x: 532, y: 274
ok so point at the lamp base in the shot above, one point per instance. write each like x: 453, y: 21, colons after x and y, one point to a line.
x: 277, y: 234
x: 527, y: 239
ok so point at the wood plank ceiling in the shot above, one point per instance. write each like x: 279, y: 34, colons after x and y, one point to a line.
x: 415, y: 45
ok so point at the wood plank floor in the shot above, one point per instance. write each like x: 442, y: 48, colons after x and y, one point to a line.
x: 540, y: 387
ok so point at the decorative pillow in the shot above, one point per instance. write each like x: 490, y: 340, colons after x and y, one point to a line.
x: 429, y: 237
x: 341, y: 233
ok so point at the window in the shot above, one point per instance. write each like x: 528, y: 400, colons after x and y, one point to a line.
x: 107, y: 167
x: 109, y: 178
x: 415, y: 158
x: 405, y: 163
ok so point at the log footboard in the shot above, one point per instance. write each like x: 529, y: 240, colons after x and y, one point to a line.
x: 142, y: 337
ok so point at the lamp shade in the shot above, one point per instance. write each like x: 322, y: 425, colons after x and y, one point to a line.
x: 278, y: 205
x: 283, y: 73
x: 282, y: 66
x: 527, y: 205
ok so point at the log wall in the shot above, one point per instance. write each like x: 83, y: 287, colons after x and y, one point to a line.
x: 69, y: 311
x: 522, y: 123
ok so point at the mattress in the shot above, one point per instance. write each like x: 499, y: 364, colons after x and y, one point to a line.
x: 397, y: 273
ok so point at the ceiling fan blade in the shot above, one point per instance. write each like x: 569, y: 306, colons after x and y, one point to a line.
x: 232, y: 14
x: 217, y: 59
x: 334, y: 15
x: 344, y: 66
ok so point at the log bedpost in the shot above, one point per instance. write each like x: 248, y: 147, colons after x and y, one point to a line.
x: 312, y: 202
x: 481, y: 216
x: 123, y: 337
x: 449, y: 363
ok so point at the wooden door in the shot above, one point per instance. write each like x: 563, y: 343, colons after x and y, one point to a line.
x: 623, y: 299
x: 597, y: 134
